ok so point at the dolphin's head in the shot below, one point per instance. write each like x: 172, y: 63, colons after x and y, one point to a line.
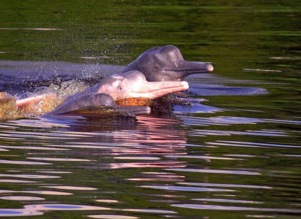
x: 166, y: 64
x: 133, y: 84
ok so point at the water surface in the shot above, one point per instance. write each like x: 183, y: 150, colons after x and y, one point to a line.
x: 235, y: 153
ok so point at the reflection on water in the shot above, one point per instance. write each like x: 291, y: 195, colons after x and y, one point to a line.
x: 152, y: 160
x: 234, y: 153
x: 235, y: 208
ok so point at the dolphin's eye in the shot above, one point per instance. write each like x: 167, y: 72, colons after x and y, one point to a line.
x: 157, y: 66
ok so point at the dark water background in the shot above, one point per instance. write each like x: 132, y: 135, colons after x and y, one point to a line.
x: 236, y: 155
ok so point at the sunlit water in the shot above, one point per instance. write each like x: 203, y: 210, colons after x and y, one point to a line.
x: 234, y: 153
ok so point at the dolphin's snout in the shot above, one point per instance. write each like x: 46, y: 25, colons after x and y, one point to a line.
x: 185, y: 85
x: 210, y: 68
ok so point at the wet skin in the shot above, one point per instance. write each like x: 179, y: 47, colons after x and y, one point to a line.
x: 166, y: 64
x: 155, y: 73
x: 98, y: 106
x: 132, y: 84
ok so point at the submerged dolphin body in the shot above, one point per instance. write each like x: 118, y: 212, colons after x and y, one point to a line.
x: 166, y: 64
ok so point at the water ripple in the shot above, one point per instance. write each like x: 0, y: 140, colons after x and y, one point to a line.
x: 62, y: 207
x: 216, y: 171
x: 17, y: 181
x: 136, y: 158
x: 34, y: 29
x: 186, y: 188
x: 18, y: 212
x: 235, y: 208
x: 15, y: 162
x: 38, y: 209
x: 201, y: 157
x: 58, y: 159
x: 43, y: 192
x: 21, y: 198
x: 33, y: 148
x: 252, y: 144
x: 75, y: 188
x: 30, y: 176
x: 264, y: 132
x: 153, y: 164
x: 224, y: 185
x: 219, y: 120
x: 110, y: 216
x: 222, y: 90
x: 158, y: 176
x: 232, y: 120
x: 226, y: 200
x: 47, y: 192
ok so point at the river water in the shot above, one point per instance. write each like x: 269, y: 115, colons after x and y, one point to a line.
x: 235, y: 153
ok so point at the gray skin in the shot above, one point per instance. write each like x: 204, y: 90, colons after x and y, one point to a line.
x: 166, y: 64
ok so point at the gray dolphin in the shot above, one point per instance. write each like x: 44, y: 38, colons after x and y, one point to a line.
x: 166, y: 64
